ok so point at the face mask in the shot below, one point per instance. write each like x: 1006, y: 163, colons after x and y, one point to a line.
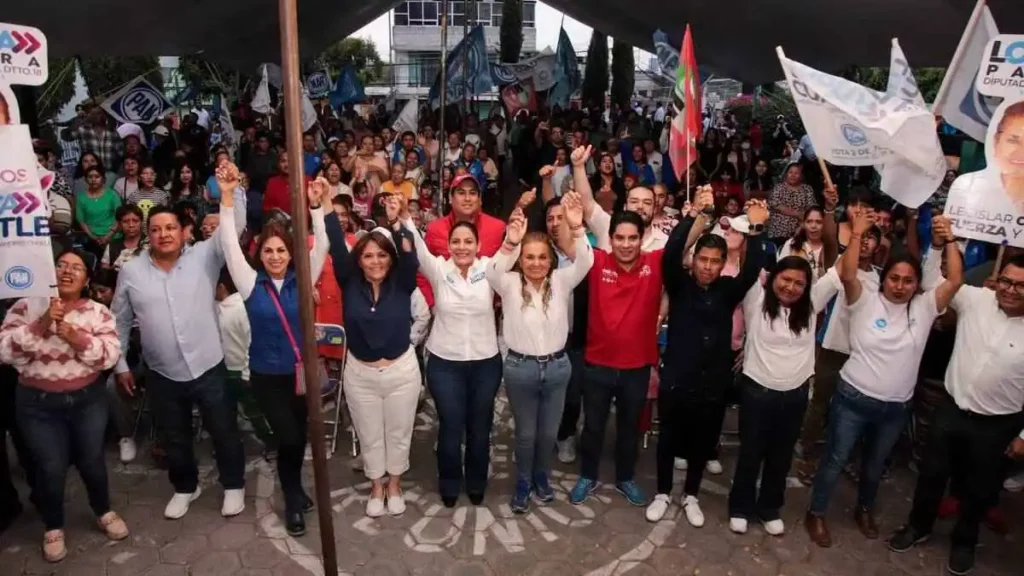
x: 745, y: 145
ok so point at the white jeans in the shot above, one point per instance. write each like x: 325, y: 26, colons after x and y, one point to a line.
x: 382, y: 402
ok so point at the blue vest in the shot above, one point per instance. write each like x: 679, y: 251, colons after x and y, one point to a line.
x: 270, y: 352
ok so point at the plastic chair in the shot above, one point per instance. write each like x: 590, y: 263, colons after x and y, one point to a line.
x: 333, y: 390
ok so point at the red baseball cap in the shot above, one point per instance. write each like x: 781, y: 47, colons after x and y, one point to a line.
x: 458, y: 180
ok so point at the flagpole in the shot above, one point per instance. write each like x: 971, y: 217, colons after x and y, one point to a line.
x: 465, y: 58
x: 443, y: 88
x: 961, y: 48
x: 821, y: 163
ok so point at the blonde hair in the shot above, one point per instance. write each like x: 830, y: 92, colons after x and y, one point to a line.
x: 545, y: 288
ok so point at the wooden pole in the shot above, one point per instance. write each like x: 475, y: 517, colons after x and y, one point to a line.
x: 824, y: 172
x: 296, y: 180
x: 999, y: 261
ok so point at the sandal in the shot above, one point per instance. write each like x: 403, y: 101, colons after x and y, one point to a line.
x: 113, y: 525
x: 54, y: 549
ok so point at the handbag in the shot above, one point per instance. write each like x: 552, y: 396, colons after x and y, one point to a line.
x: 300, y: 373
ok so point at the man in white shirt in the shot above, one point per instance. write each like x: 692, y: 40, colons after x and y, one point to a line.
x: 980, y: 422
x: 654, y: 159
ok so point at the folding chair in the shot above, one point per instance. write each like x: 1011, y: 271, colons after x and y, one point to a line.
x: 333, y: 390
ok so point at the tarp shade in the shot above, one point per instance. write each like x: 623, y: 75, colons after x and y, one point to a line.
x: 735, y: 37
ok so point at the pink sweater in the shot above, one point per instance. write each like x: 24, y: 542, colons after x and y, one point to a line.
x: 46, y: 361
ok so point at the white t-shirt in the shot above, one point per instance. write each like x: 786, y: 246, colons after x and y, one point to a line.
x: 655, y: 160
x: 773, y: 356
x: 837, y: 328
x: 813, y: 257
x: 886, y: 344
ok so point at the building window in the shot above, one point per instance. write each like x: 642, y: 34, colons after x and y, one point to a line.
x: 529, y: 13
x: 486, y: 12
x: 423, y: 68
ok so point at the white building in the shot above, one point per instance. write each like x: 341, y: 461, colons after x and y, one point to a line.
x: 416, y: 39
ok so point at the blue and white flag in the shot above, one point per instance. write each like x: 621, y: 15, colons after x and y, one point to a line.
x: 348, y: 89
x: 318, y: 84
x: 958, y: 102
x: 468, y: 69
x: 138, y: 102
x: 567, y: 73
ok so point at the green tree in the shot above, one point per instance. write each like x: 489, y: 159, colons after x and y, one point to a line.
x: 360, y: 52
x: 102, y: 77
x: 877, y: 78
x: 622, y: 74
x: 511, y: 30
x: 595, y: 75
x: 211, y: 78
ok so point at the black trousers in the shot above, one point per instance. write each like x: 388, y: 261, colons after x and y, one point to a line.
x: 971, y: 447
x: 287, y: 415
x: 769, y: 427
x: 8, y: 424
x: 690, y: 427
x: 628, y: 389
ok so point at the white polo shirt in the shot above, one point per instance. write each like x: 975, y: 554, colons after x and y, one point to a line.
x: 886, y: 344
x: 986, y: 373
x: 464, y: 327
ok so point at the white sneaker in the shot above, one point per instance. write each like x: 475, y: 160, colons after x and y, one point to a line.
x: 1014, y: 483
x: 396, y: 505
x: 127, y: 449
x: 178, y: 506
x: 656, y: 509
x: 234, y: 502
x: 714, y: 467
x: 567, y: 450
x: 738, y: 525
x: 774, y: 527
x: 680, y: 463
x: 694, y: 515
x: 375, y: 507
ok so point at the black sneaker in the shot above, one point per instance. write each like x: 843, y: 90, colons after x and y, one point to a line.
x: 307, y: 504
x: 294, y: 522
x: 449, y: 501
x: 906, y: 538
x: 961, y: 560
x: 476, y: 498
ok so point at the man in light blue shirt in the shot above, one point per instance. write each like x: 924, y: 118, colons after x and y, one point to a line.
x: 169, y: 291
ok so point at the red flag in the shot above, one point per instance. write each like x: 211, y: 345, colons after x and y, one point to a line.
x: 686, y: 125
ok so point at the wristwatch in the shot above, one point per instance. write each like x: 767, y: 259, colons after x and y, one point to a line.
x: 756, y: 228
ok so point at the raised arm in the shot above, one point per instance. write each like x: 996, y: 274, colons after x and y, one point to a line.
x: 861, y: 222
x: 317, y: 193
x: 754, y: 260
x: 682, y: 237
x: 583, y: 257
x: 430, y: 265
x: 498, y: 271
x: 241, y: 272
x: 944, y: 293
x: 408, y: 264
x: 547, y: 190
x: 341, y: 258
x: 581, y: 183
x: 830, y: 231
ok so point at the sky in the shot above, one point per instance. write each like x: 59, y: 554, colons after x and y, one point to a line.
x: 548, y: 24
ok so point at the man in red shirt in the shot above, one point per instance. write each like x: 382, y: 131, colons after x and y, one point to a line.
x: 278, y: 193
x: 466, y: 206
x: 621, y: 348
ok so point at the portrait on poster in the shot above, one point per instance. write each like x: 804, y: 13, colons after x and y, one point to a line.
x: 9, y: 113
x: 988, y: 205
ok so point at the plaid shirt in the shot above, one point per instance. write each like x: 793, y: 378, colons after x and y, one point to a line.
x: 101, y: 142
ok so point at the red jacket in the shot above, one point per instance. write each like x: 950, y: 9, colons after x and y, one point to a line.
x: 491, y: 231
x: 278, y: 194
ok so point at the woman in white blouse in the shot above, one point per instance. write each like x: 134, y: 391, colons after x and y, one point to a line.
x: 778, y: 362
x: 535, y: 296
x: 463, y: 363
x: 809, y: 243
x: 271, y: 296
x: 888, y: 332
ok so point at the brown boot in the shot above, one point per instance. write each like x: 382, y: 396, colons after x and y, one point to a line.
x: 866, y: 522
x: 817, y: 529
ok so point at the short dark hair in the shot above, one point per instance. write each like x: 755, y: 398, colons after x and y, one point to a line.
x: 551, y: 204
x: 410, y: 134
x: 226, y: 280
x: 126, y: 209
x: 626, y: 217
x: 155, y: 210
x: 105, y: 277
x: 713, y: 241
x: 1016, y: 261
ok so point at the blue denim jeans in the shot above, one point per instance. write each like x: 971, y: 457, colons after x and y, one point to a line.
x: 852, y: 417
x: 536, y: 394
x: 61, y: 429
x: 463, y: 394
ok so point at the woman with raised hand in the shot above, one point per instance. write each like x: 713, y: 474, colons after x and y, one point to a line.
x: 271, y: 296
x: 382, y: 376
x: 888, y: 332
x: 536, y: 295
x: 463, y: 365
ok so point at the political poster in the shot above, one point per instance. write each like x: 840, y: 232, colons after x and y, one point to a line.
x: 1002, y: 69
x: 540, y: 69
x: 318, y: 84
x: 26, y: 259
x: 957, y: 101
x: 519, y: 96
x: 138, y: 102
x: 23, y: 55
x: 9, y: 111
x: 988, y: 205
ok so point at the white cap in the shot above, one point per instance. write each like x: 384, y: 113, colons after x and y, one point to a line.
x: 126, y: 130
x: 161, y: 130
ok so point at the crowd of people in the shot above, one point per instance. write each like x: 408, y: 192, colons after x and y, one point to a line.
x: 619, y: 284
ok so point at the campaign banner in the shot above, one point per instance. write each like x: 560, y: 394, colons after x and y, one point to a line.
x: 958, y: 101
x: 1001, y: 73
x: 539, y: 69
x: 348, y: 89
x: 138, y: 102
x: 468, y: 70
x: 852, y: 125
x: 318, y: 84
x: 9, y: 111
x: 261, y: 100
x: 26, y: 259
x: 988, y: 205
x: 23, y: 55
x: 408, y: 119
x: 519, y: 96
x: 568, y: 79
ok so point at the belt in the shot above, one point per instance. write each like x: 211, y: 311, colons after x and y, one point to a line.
x: 539, y: 359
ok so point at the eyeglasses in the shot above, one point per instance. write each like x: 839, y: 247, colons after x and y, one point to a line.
x: 76, y: 268
x: 1004, y: 283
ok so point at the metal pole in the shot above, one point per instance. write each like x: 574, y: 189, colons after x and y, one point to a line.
x: 296, y: 180
x: 443, y: 88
